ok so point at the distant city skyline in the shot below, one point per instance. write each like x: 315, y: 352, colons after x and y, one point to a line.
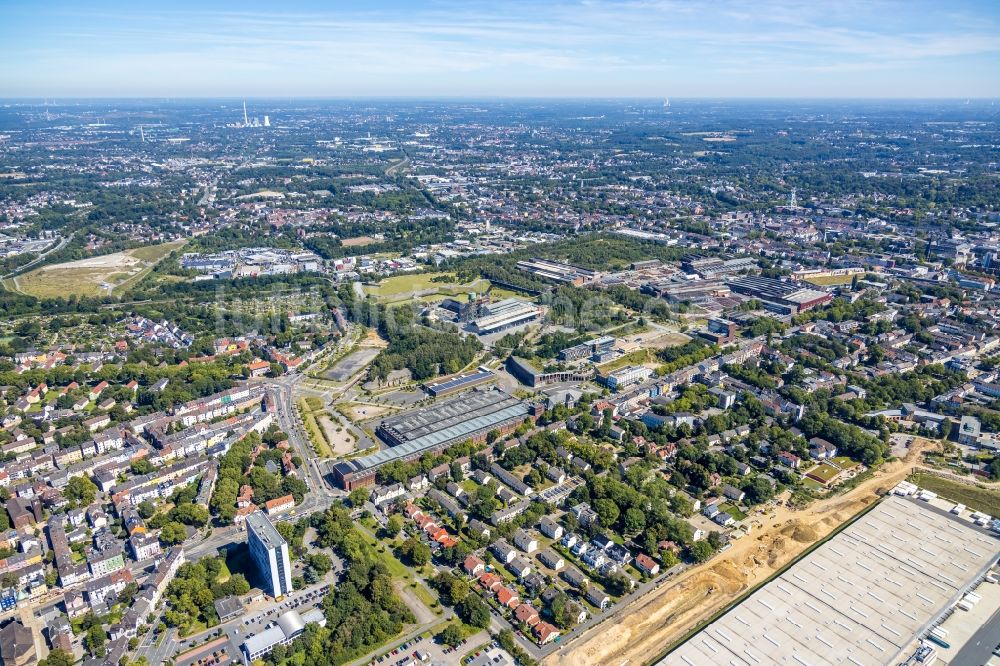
x: 448, y: 48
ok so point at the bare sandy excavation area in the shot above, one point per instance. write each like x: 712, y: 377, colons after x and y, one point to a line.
x: 643, y: 631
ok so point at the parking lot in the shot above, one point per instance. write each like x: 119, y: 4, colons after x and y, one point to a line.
x: 425, y: 650
x: 298, y: 601
x: 232, y: 634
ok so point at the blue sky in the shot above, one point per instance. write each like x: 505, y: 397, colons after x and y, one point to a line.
x: 557, y: 48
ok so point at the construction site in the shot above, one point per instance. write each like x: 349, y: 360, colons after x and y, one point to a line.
x: 646, y: 630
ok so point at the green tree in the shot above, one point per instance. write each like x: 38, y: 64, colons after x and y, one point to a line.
x: 173, y: 533
x: 758, y: 491
x: 561, y: 608
x: 146, y: 509
x: 607, y: 511
x: 451, y: 635
x: 474, y: 612
x: 358, y: 497
x: 634, y: 520
x: 669, y: 559
x: 416, y: 551
x: 81, y: 489
x: 994, y: 469
x: 320, y: 563
x: 699, y: 551
x: 57, y: 657
x: 394, y: 525
x: 95, y: 640
x: 459, y: 590
x: 195, y: 515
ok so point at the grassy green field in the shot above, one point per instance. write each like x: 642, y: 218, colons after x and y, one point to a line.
x: 92, y: 276
x: 400, y: 571
x: 637, y: 357
x: 153, y: 253
x: 403, y: 285
x: 498, y: 293
x: 843, y: 462
x: 975, y: 498
x: 824, y: 472
x: 308, y: 409
x: 733, y: 511
x: 830, y: 280
x: 810, y: 484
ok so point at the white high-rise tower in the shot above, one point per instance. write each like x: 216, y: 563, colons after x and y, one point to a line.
x: 269, y: 551
x: 246, y: 121
x: 267, y: 121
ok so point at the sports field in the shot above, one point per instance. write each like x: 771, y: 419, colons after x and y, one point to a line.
x: 95, y: 275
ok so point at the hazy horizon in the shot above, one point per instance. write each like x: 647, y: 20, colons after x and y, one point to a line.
x: 572, y: 49
x: 53, y: 100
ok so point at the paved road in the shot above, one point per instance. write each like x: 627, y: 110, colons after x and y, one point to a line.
x: 288, y: 421
x: 58, y: 246
x: 979, y: 649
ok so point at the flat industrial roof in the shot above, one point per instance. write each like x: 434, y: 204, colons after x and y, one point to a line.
x: 448, y: 421
x: 859, y: 599
x: 456, y: 411
x: 264, y: 530
x: 461, y: 380
x: 506, y: 312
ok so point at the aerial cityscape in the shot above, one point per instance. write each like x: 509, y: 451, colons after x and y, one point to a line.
x: 572, y: 373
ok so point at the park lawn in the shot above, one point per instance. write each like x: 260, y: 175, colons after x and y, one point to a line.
x: 192, y: 629
x: 401, y: 284
x: 466, y: 629
x: 224, y: 574
x: 405, y: 297
x: 399, y: 570
x: 975, y: 498
x: 499, y: 293
x: 395, y: 567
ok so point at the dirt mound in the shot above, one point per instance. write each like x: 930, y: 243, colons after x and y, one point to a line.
x: 804, y: 533
x: 776, y: 551
x: 730, y: 575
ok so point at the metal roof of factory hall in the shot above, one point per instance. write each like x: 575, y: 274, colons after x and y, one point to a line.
x: 860, y: 599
